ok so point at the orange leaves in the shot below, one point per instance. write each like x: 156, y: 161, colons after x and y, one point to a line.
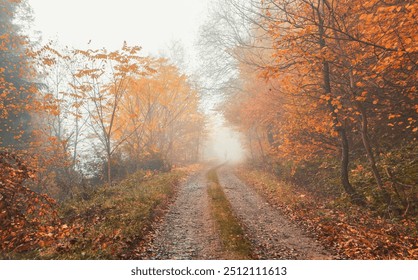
x: 393, y: 116
x: 152, y: 106
x: 23, y: 211
x: 119, y: 95
x: 93, y: 73
x: 326, y: 97
x: 28, y: 220
x: 368, y: 47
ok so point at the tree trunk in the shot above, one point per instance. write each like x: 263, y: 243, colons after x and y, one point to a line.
x: 251, y: 146
x: 345, y: 148
x: 345, y: 160
x: 260, y: 145
x: 109, y: 165
x: 109, y: 168
x: 368, y: 148
x: 326, y: 84
x: 365, y: 135
x: 366, y: 142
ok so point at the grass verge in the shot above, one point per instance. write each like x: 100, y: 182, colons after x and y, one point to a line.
x: 234, y: 242
x: 110, y: 222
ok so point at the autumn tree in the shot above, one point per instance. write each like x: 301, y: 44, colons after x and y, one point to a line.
x: 313, y: 72
x: 161, y: 116
x: 103, y: 82
x: 27, y: 218
x: 135, y: 109
x: 20, y: 99
x: 17, y: 86
x: 63, y: 120
x: 347, y: 49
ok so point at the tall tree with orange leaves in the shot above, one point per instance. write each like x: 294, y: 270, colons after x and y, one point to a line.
x: 24, y: 213
x: 357, y: 49
x: 161, y: 117
x: 332, y: 70
x: 103, y: 83
x: 17, y: 86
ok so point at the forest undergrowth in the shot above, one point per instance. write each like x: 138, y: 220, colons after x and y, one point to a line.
x: 105, y: 222
x: 356, y: 232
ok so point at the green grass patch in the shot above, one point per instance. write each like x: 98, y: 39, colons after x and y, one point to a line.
x: 235, y: 244
x: 109, y: 222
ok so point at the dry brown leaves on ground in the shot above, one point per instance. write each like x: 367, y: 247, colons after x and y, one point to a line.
x: 354, y: 231
x: 28, y: 220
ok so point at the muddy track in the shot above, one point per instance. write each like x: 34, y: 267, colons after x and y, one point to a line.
x: 271, y: 234
x: 187, y: 231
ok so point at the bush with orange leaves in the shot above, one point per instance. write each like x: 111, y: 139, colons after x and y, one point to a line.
x: 28, y: 220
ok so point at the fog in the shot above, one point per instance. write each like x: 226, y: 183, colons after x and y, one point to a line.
x: 223, y: 143
x: 135, y: 22
x: 152, y: 25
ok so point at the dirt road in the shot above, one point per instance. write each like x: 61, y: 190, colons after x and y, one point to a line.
x: 271, y: 234
x: 189, y: 232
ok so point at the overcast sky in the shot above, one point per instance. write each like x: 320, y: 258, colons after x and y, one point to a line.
x: 150, y: 24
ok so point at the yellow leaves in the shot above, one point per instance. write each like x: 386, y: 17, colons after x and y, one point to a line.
x: 77, y: 105
x: 102, y: 56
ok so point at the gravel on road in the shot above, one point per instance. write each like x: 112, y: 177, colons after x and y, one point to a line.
x: 188, y: 231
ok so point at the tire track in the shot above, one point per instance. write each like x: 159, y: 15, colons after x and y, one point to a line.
x: 271, y: 234
x: 188, y: 231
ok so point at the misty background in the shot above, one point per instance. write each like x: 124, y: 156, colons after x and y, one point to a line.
x: 171, y: 29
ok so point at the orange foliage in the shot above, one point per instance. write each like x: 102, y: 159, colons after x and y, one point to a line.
x: 28, y: 220
x: 368, y: 49
x: 160, y: 115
